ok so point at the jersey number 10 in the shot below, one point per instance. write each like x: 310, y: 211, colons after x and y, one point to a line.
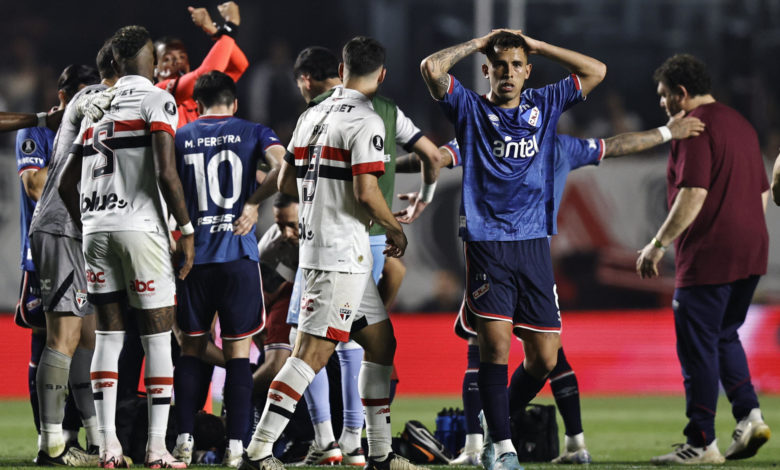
x: 207, y: 178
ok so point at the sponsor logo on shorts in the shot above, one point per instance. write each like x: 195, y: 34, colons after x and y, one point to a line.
x: 96, y: 279
x: 142, y: 287
x: 33, y: 304
x: 81, y: 299
x: 480, y: 291
x: 275, y: 397
x: 45, y: 285
x: 345, y: 312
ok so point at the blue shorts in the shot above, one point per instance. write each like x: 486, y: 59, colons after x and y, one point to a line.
x: 29, y: 307
x: 233, y: 289
x: 378, y: 244
x: 512, y: 281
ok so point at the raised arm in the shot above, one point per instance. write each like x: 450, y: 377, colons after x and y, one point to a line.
x: 435, y: 68
x: 173, y: 194
x: 590, y: 71
x: 677, y: 128
x: 15, y: 121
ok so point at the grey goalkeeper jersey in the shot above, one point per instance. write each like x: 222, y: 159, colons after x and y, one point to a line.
x: 50, y: 214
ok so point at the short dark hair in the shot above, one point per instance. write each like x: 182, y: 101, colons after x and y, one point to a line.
x: 685, y: 70
x: 170, y: 43
x: 103, y: 61
x: 128, y: 40
x: 74, y: 76
x: 284, y: 200
x: 363, y: 55
x: 504, y: 40
x: 318, y: 62
x: 214, y: 88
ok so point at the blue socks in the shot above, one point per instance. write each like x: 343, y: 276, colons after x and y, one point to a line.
x: 522, y: 389
x: 186, y: 382
x: 238, y: 397
x: 566, y: 391
x: 472, y: 403
x: 493, y: 392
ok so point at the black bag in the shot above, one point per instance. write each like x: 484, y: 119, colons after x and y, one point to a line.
x: 535, y: 433
x: 419, y: 446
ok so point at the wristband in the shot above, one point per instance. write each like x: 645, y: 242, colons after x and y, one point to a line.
x: 657, y: 243
x: 426, y: 192
x: 666, y: 134
x: 186, y: 229
x: 229, y: 28
x: 42, y: 118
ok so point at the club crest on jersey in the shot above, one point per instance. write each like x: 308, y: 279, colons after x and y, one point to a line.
x: 170, y: 108
x: 81, y: 299
x: 533, y: 116
x: 345, y: 312
x: 28, y: 146
x: 378, y: 142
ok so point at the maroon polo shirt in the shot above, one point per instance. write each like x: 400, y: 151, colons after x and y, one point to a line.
x: 728, y: 240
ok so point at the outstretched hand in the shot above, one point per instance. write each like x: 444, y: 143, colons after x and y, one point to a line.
x: 683, y: 127
x: 413, y: 211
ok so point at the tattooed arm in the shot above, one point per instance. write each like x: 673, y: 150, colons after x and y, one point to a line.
x: 436, y: 66
x: 633, y: 142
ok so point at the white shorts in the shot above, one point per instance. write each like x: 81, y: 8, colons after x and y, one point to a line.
x: 133, y: 264
x: 332, y: 302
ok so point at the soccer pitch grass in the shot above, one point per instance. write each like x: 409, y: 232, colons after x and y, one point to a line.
x: 621, y: 432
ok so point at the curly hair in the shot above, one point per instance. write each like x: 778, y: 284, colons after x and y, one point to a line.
x: 363, y: 55
x: 127, y: 41
x: 504, y: 40
x: 685, y: 70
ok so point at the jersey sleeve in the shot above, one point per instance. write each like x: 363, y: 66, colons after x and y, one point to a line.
x: 367, y: 148
x: 160, y: 113
x: 218, y: 58
x: 457, y: 100
x: 693, y: 162
x: 406, y: 133
x: 267, y: 138
x: 564, y: 93
x: 454, y: 149
x: 237, y: 64
x: 31, y: 150
x: 580, y: 152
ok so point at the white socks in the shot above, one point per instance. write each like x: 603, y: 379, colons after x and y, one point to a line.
x: 158, y: 379
x: 374, y: 386
x: 104, y: 376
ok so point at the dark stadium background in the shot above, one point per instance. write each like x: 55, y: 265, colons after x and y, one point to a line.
x: 607, y: 213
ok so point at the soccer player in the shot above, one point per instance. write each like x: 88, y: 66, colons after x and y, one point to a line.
x: 123, y: 163
x: 173, y: 68
x: 570, y: 153
x: 278, y: 248
x: 507, y: 140
x: 316, y: 73
x: 216, y: 156
x: 69, y: 323
x: 335, y: 157
x: 717, y: 194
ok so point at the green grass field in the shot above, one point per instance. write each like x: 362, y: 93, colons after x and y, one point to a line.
x: 622, y: 433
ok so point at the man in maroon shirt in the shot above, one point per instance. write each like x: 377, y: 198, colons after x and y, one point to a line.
x: 717, y: 194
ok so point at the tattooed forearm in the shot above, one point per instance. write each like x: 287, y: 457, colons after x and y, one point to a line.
x: 435, y: 67
x: 631, y: 142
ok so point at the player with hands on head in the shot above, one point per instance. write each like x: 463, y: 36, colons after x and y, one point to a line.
x: 508, y: 140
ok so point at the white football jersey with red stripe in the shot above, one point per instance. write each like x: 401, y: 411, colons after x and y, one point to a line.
x: 119, y: 189
x: 333, y: 141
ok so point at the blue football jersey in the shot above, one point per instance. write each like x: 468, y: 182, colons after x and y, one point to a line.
x: 572, y: 153
x: 217, y: 157
x: 508, y: 180
x: 33, y: 150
